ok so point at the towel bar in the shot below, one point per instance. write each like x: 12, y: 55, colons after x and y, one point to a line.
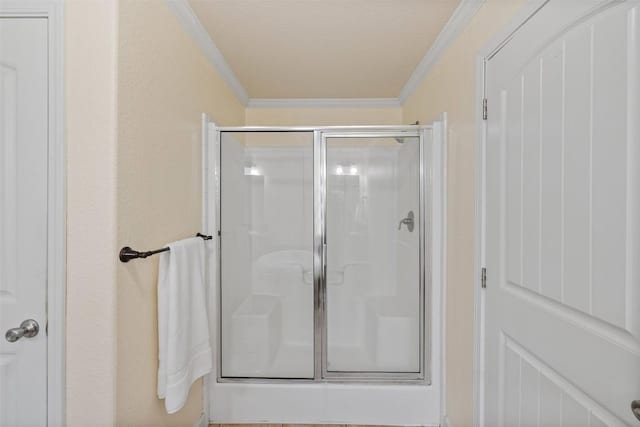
x: 127, y: 254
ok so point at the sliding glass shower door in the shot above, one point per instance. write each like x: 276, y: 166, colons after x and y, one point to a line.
x: 321, y: 255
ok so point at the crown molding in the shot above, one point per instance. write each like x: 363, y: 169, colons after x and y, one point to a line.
x: 323, y: 103
x: 458, y: 21
x: 194, y: 27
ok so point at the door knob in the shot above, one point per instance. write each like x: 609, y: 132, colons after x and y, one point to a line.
x: 28, y: 329
x: 635, y: 408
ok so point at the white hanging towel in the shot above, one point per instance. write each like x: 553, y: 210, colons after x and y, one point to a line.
x: 184, y: 350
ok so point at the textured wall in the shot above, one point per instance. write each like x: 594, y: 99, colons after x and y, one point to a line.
x: 164, y: 84
x: 450, y: 87
x: 90, y: 126
x: 135, y: 87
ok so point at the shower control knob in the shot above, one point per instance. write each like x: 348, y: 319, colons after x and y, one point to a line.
x: 408, y: 221
x: 28, y: 329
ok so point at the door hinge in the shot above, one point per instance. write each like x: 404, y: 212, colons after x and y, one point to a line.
x: 483, y: 277
x: 484, y: 109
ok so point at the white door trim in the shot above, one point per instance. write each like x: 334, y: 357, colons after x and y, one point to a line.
x: 522, y: 16
x: 56, y: 203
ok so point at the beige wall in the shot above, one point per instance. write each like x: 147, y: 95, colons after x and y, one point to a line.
x: 323, y: 116
x: 135, y: 87
x: 450, y: 87
x: 164, y: 84
x: 90, y: 127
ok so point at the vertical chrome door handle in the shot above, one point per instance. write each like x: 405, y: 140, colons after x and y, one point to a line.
x: 28, y: 329
x: 635, y: 408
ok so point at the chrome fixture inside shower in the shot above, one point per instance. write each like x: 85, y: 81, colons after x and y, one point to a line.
x: 408, y: 221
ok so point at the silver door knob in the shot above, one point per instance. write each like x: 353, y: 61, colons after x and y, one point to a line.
x: 28, y: 329
x: 635, y: 408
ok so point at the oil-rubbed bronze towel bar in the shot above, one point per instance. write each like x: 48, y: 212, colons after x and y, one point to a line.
x: 127, y: 254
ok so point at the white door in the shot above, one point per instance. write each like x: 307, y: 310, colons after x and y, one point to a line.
x: 23, y: 220
x: 563, y: 219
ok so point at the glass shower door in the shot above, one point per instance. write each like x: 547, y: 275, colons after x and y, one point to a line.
x: 373, y: 276
x: 266, y: 257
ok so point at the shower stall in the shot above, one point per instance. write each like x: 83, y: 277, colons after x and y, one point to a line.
x: 323, y: 277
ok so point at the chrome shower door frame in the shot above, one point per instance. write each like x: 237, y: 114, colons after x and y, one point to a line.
x: 321, y: 174
x: 321, y: 372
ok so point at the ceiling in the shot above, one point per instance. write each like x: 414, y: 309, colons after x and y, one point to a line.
x: 323, y: 48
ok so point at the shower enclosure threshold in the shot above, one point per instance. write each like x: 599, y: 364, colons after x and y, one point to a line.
x: 326, y: 403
